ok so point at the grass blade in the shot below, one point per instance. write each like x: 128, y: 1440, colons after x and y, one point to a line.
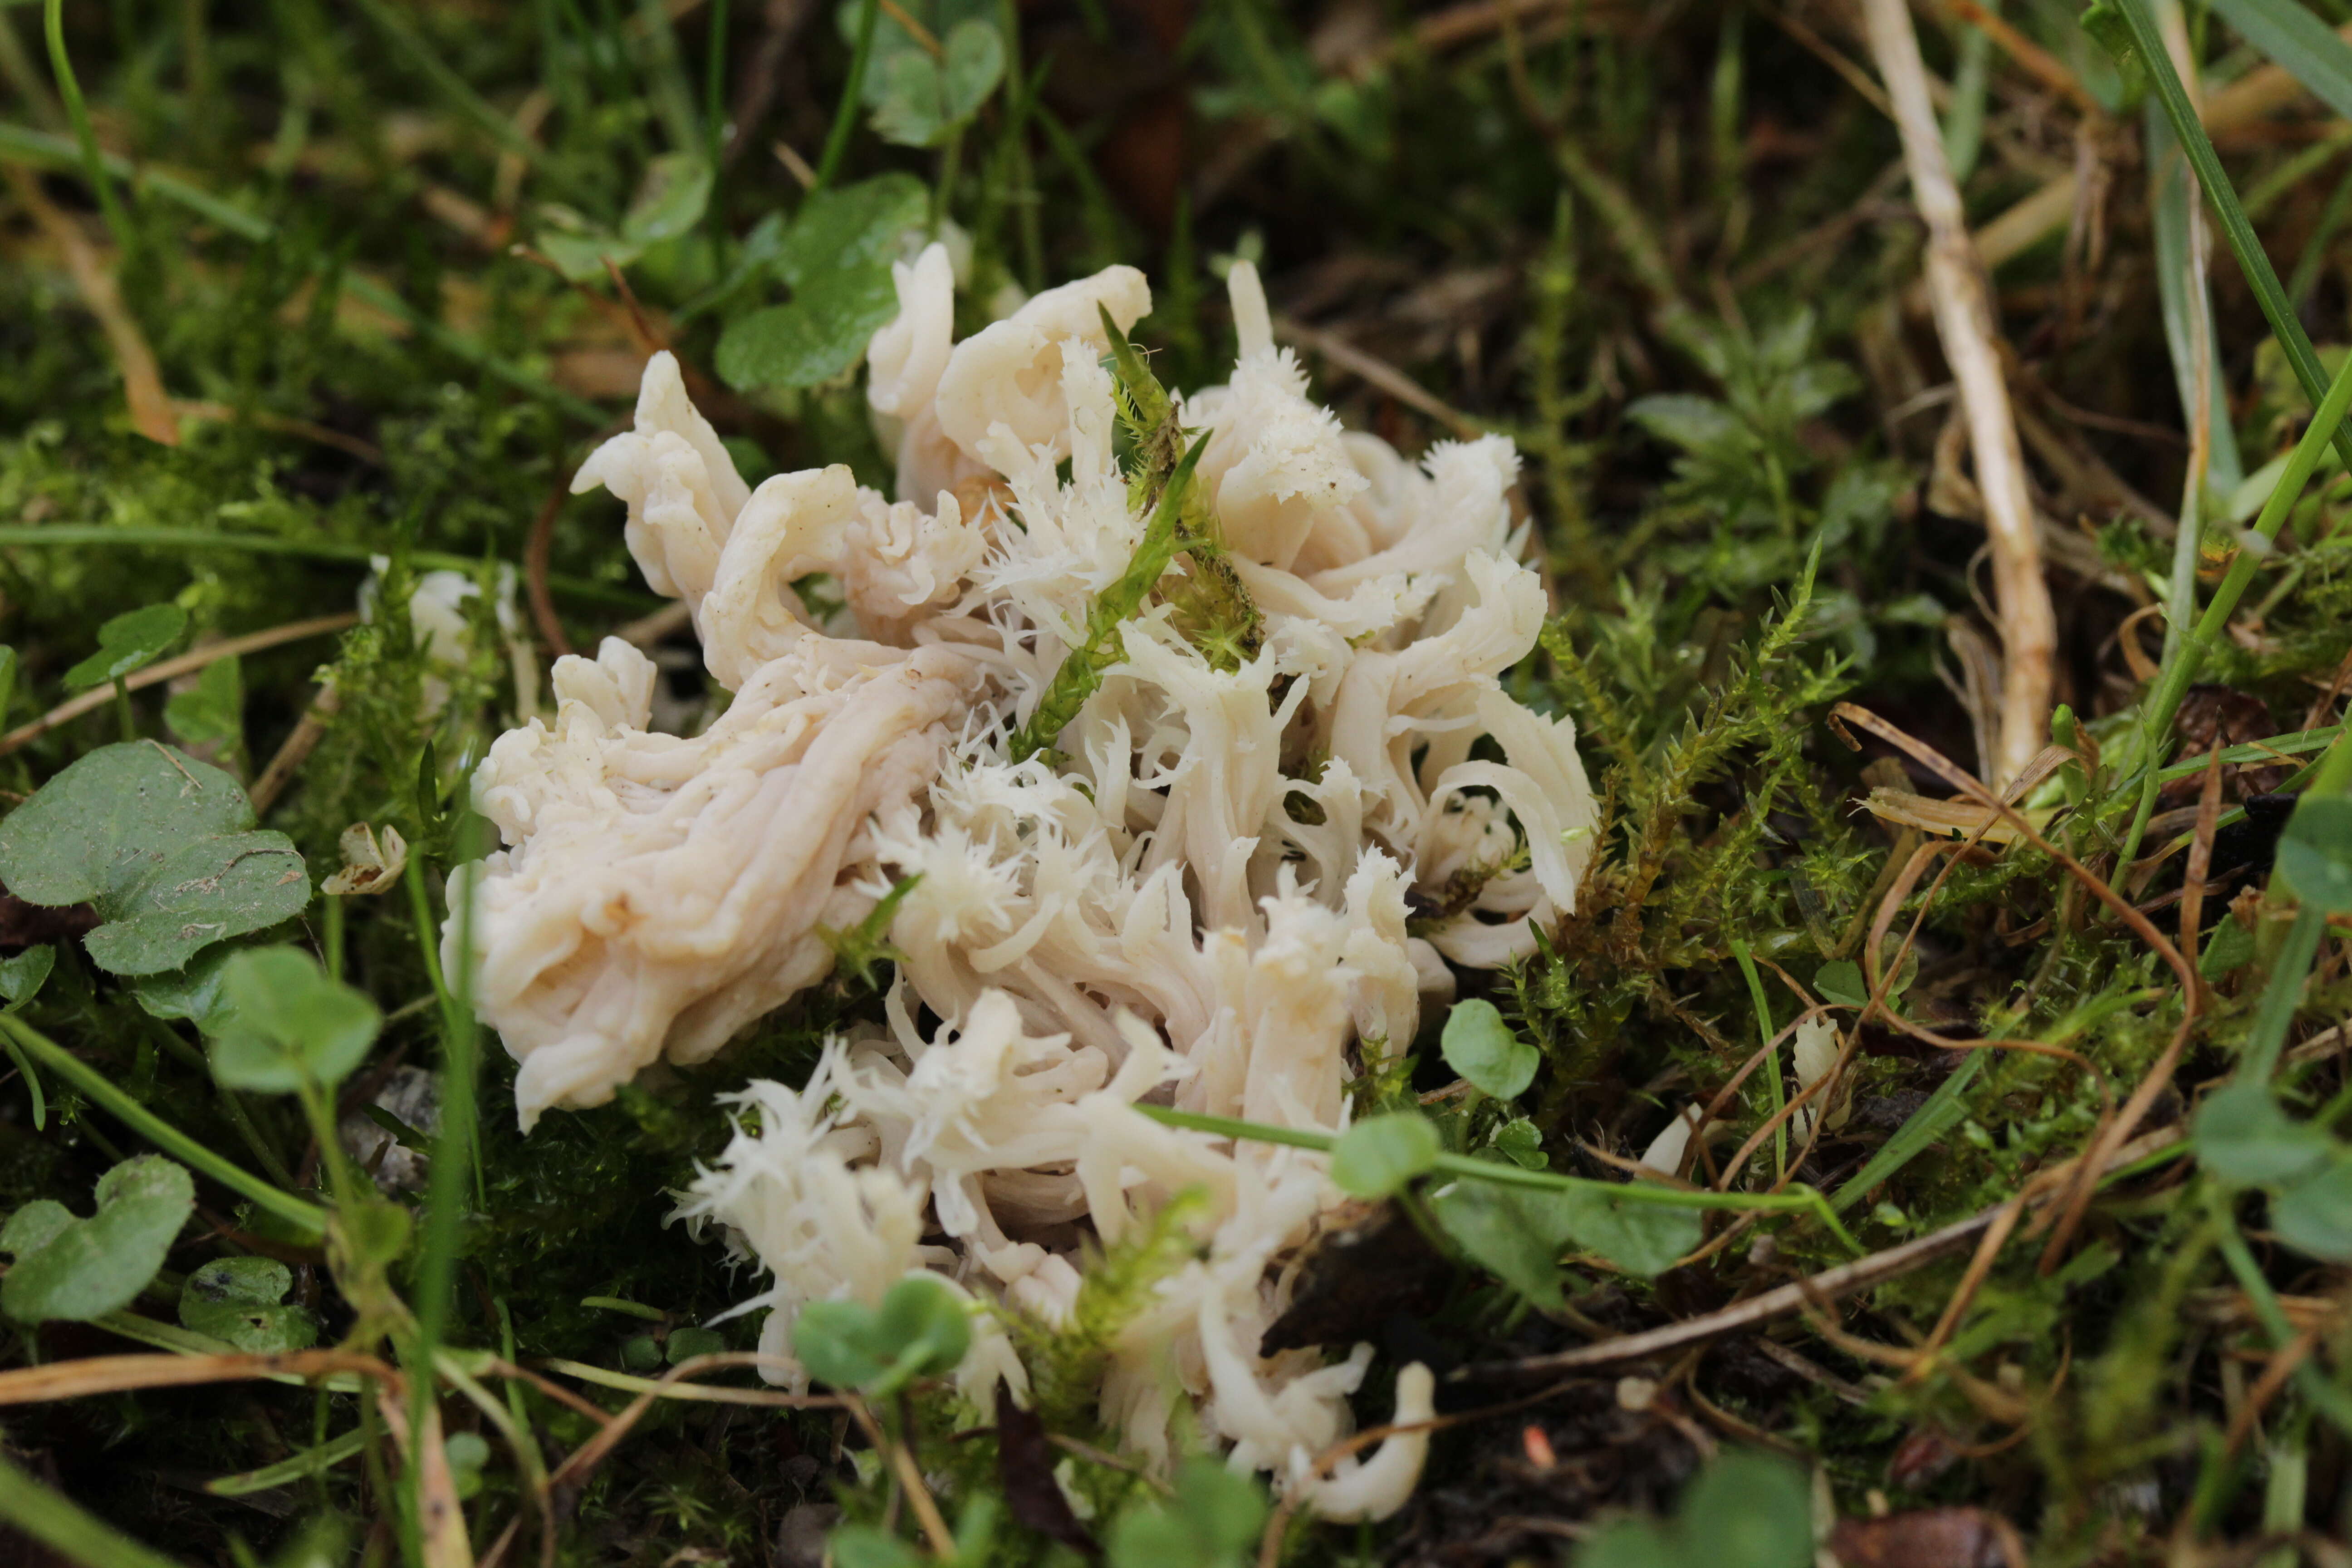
x: 1938, y: 1116
x: 2269, y: 293
x: 61, y: 1524
x: 2303, y: 45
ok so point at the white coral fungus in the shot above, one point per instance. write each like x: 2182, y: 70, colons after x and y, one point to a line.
x: 1243, y: 861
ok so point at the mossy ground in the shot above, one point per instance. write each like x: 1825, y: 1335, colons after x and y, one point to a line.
x: 1665, y: 249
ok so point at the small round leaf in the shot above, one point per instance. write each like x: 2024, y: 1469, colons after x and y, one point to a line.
x: 1377, y: 1156
x: 1480, y: 1046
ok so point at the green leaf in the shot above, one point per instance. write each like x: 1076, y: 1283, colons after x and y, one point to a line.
x: 974, y: 65
x: 212, y: 712
x: 581, y: 257
x: 1211, y: 1522
x: 813, y: 339
x: 193, y: 992
x: 864, y: 1546
x: 1643, y: 1238
x: 289, y: 1024
x: 1841, y: 983
x: 2315, y: 1214
x: 919, y: 1331
x: 1479, y: 1046
x: 22, y: 977
x: 1748, y: 1509
x: 1631, y: 1543
x: 2303, y: 45
x: 685, y: 1344
x: 852, y: 228
x: 129, y: 642
x: 669, y: 201
x: 467, y: 1453
x: 917, y: 100
x: 1515, y: 1234
x: 2243, y: 1137
x: 1378, y: 1156
x: 78, y: 1269
x: 2231, y: 945
x: 2315, y: 852
x: 162, y: 844
x: 242, y: 1300
x: 1521, y: 1143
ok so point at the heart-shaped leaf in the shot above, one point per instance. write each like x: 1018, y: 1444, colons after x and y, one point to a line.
x: 212, y: 712
x: 129, y: 642
x: 1377, y: 1156
x: 289, y: 1024
x: 851, y: 227
x: 22, y: 977
x: 1479, y: 1046
x: 2315, y: 1214
x: 242, y: 1300
x: 670, y: 199
x: 2246, y: 1140
x: 1211, y: 1522
x: 814, y: 337
x: 78, y: 1269
x: 2314, y: 850
x: 162, y: 845
x: 920, y: 1330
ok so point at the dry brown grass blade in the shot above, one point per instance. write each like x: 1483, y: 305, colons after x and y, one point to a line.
x: 1965, y: 324
x: 1341, y: 354
x: 535, y: 552
x: 2032, y: 57
x: 80, y: 1378
x: 440, y: 1515
x: 171, y: 669
x: 1996, y: 1236
x: 142, y: 383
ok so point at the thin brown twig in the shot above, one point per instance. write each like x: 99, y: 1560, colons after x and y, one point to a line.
x: 193, y: 660
x: 535, y: 552
x: 2032, y: 57
x: 87, y: 1375
x: 2201, y: 853
x: 1965, y: 324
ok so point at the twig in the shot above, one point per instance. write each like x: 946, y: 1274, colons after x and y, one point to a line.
x: 299, y: 743
x: 1820, y: 1289
x: 86, y: 1375
x: 171, y: 669
x: 535, y: 551
x: 1963, y: 323
x: 1378, y: 373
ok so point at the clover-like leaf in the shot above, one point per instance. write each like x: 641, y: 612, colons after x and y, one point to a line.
x: 851, y: 228
x: 815, y: 337
x: 920, y: 1330
x: 1521, y: 1143
x: 2315, y: 1214
x: 1515, y: 1234
x: 22, y: 977
x: 670, y: 199
x: 77, y: 1269
x: 1379, y: 1155
x: 1479, y: 1046
x: 2314, y: 850
x: 289, y: 1024
x: 192, y: 992
x: 2246, y: 1140
x: 129, y: 642
x: 212, y: 712
x: 242, y: 1300
x: 1212, y: 1521
x: 162, y: 845
x: 1840, y: 981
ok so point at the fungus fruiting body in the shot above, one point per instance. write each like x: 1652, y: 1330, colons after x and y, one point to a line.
x: 1265, y: 836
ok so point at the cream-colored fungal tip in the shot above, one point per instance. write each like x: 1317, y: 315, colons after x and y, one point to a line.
x: 1247, y: 864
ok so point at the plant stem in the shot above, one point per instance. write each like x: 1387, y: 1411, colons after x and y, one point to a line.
x: 1798, y: 1199
x: 123, y: 713
x: 2325, y: 1396
x: 158, y: 1131
x: 845, y: 117
x: 59, y: 1523
x: 2181, y: 668
x: 126, y: 238
x: 2244, y: 243
x: 1775, y: 1095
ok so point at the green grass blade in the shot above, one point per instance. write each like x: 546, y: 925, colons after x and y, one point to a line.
x: 309, y: 1462
x: 62, y: 1525
x: 2244, y: 243
x: 1938, y: 1116
x: 2306, y: 47
x: 2187, y: 317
